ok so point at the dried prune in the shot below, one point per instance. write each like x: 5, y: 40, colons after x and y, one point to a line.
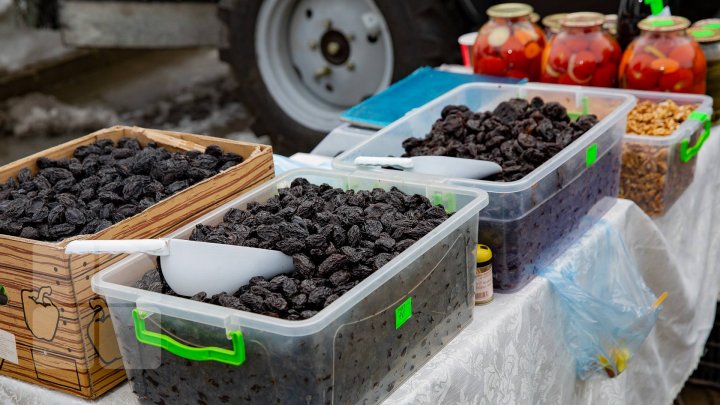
x: 331, y: 264
x: 504, y: 135
x: 102, y: 184
x: 318, y: 296
x: 336, y: 239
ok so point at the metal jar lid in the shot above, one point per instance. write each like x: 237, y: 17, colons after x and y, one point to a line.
x: 553, y: 22
x: 610, y: 23
x: 510, y: 10
x: 704, y: 35
x: 583, y: 20
x: 664, y: 24
x: 713, y: 23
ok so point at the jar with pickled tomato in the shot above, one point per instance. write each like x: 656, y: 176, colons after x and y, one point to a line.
x: 664, y: 58
x: 509, y: 44
x: 582, y: 53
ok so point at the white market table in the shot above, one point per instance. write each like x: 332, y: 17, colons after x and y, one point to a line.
x: 513, y: 350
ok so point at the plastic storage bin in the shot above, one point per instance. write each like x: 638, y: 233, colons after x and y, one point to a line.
x: 356, y: 350
x: 656, y: 170
x: 525, y: 219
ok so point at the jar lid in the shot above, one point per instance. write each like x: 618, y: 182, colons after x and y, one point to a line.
x: 664, y: 24
x: 704, y: 35
x: 713, y: 23
x: 610, y: 23
x: 534, y: 17
x: 553, y: 21
x: 510, y: 10
x: 583, y: 20
x: 483, y: 254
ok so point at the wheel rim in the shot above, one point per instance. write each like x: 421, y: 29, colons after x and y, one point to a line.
x: 319, y: 57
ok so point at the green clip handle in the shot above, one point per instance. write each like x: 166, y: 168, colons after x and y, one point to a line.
x: 233, y: 357
x: 688, y: 152
x: 656, y: 6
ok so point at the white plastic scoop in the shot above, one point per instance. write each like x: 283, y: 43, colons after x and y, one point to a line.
x: 444, y: 166
x: 191, y: 267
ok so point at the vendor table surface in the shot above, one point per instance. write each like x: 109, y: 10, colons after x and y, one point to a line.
x: 513, y: 350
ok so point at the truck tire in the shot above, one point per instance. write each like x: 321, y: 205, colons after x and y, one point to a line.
x: 410, y: 35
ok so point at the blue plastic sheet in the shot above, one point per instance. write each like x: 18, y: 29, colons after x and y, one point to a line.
x: 607, y: 309
x: 284, y: 164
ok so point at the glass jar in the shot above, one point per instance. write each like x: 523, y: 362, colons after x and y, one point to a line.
x: 709, y: 40
x: 509, y: 44
x: 664, y: 58
x: 582, y: 53
x: 610, y: 24
x: 552, y: 24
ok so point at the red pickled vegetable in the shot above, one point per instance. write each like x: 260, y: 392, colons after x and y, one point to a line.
x: 665, y: 65
x: 566, y: 79
x: 532, y: 50
x: 678, y: 81
x: 576, y: 44
x: 582, y: 65
x: 639, y: 75
x: 683, y: 55
x: 605, y: 76
x: 490, y: 65
x: 559, y: 57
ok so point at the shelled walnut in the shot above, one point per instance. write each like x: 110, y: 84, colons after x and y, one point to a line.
x: 652, y: 174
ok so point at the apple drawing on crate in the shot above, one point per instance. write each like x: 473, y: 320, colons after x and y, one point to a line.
x: 41, y: 314
x: 101, y: 333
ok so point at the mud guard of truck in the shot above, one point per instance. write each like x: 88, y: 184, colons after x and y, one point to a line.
x: 121, y: 24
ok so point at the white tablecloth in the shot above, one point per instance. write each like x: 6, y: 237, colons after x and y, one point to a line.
x: 513, y: 351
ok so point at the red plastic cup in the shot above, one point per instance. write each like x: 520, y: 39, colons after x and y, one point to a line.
x: 466, y: 42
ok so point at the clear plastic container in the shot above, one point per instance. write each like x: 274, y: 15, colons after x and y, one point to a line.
x: 656, y: 170
x: 356, y: 350
x: 525, y: 219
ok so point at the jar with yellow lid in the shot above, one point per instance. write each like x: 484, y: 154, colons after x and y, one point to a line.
x: 709, y: 40
x: 510, y: 44
x: 664, y: 58
x: 483, y: 276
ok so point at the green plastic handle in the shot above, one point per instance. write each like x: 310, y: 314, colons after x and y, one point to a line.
x: 233, y: 357
x: 688, y: 152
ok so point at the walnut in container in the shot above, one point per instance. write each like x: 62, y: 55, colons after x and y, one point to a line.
x: 653, y: 175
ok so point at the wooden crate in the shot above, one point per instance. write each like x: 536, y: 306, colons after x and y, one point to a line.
x: 61, y: 330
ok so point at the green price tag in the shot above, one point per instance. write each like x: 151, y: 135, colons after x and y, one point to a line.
x: 662, y: 23
x: 591, y: 155
x: 403, y: 313
x: 703, y: 33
